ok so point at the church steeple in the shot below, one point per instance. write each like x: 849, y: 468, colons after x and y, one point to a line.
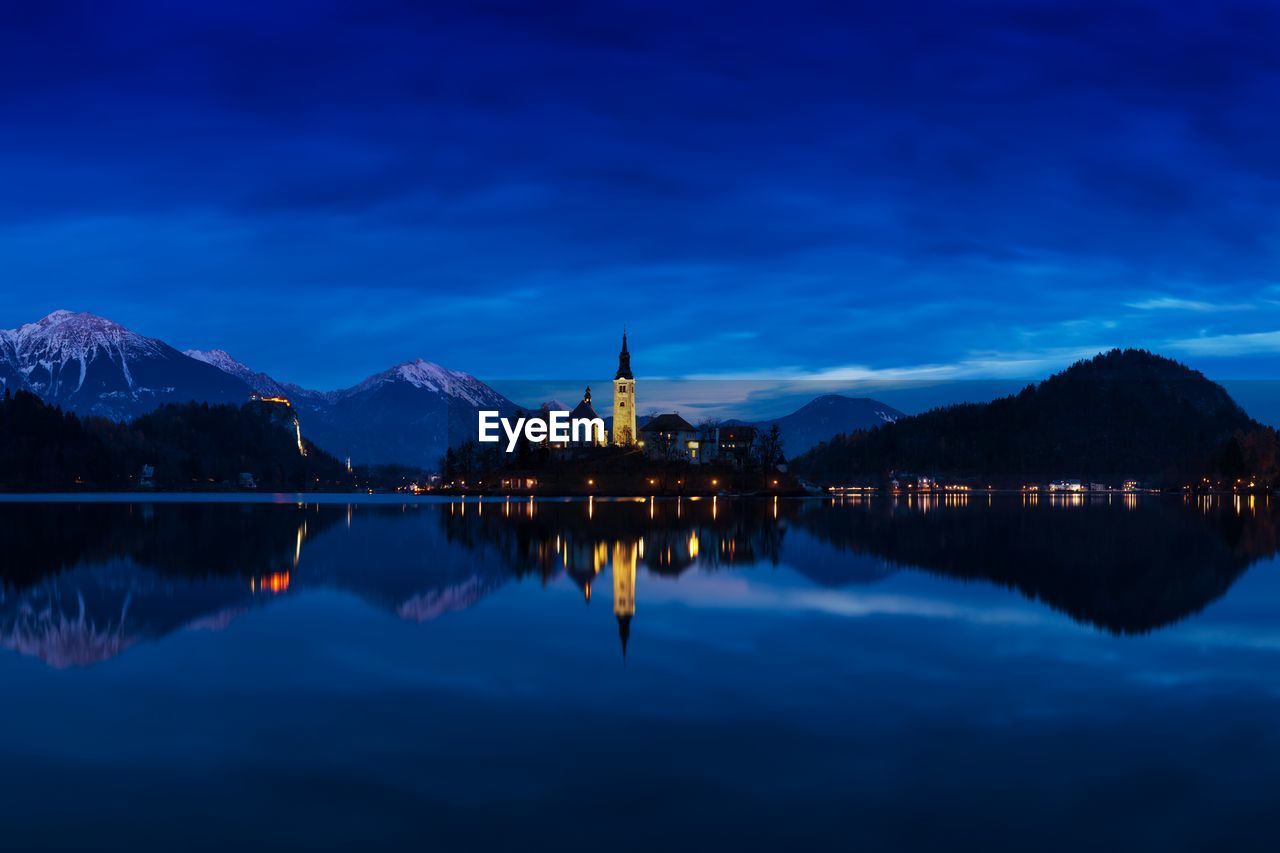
x: 624, y: 360
x: 624, y: 399
x: 624, y: 632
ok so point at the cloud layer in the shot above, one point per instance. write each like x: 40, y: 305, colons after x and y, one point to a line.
x: 326, y: 188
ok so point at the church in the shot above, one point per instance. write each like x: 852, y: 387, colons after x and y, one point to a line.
x: 624, y: 399
x: 666, y: 437
x: 663, y: 438
x: 670, y: 437
x: 625, y: 433
x: 624, y: 405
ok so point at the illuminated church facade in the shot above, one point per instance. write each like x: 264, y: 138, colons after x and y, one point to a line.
x: 667, y: 437
x: 624, y: 399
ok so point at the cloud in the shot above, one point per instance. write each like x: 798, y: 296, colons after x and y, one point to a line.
x: 1249, y: 343
x: 860, y: 198
x: 977, y: 365
x: 1173, y: 303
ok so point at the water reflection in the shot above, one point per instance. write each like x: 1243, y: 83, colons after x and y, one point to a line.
x: 83, y: 582
x: 1128, y: 566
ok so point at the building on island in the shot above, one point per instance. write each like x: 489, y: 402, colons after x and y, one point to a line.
x: 671, y: 437
x: 664, y: 437
x: 624, y: 413
x: 580, y: 432
x: 624, y: 399
x: 733, y: 444
x: 914, y: 482
x: 587, y: 411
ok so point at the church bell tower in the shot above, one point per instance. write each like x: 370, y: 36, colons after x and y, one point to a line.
x: 624, y: 399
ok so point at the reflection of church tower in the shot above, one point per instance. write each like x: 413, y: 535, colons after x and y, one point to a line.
x: 624, y: 588
x: 624, y: 399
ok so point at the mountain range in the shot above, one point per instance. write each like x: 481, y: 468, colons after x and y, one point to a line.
x: 825, y: 416
x: 408, y: 414
x: 93, y: 366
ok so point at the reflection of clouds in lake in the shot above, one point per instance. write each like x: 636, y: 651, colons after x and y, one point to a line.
x: 976, y: 624
x: 1238, y: 637
x: 742, y: 593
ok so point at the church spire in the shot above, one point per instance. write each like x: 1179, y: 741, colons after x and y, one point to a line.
x: 624, y: 632
x: 624, y: 359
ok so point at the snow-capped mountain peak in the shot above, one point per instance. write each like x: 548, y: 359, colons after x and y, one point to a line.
x: 429, y: 375
x: 93, y: 365
x: 220, y: 359
x: 58, y: 316
x: 54, y: 355
x: 433, y: 377
x: 75, y: 335
x: 258, y: 381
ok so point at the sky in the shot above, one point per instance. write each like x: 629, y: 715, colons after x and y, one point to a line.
x: 836, y: 191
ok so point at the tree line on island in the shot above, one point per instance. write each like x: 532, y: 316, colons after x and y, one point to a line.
x: 1122, y: 415
x: 659, y: 467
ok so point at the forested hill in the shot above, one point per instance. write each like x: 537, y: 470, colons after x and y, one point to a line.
x: 1122, y: 414
x: 192, y: 445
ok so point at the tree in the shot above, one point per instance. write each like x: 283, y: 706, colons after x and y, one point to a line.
x: 768, y: 448
x: 1261, y: 453
x: 664, y: 446
x: 192, y: 444
x: 449, y: 465
x: 1231, y: 459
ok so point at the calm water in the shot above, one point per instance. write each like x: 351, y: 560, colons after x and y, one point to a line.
x: 951, y: 674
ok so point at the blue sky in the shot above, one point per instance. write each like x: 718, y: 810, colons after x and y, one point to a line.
x: 834, y: 190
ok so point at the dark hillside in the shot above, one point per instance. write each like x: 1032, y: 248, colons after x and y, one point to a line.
x: 1121, y: 414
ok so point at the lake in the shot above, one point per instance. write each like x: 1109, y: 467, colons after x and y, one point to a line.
x: 960, y: 672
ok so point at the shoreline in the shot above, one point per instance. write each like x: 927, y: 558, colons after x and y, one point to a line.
x: 437, y: 497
